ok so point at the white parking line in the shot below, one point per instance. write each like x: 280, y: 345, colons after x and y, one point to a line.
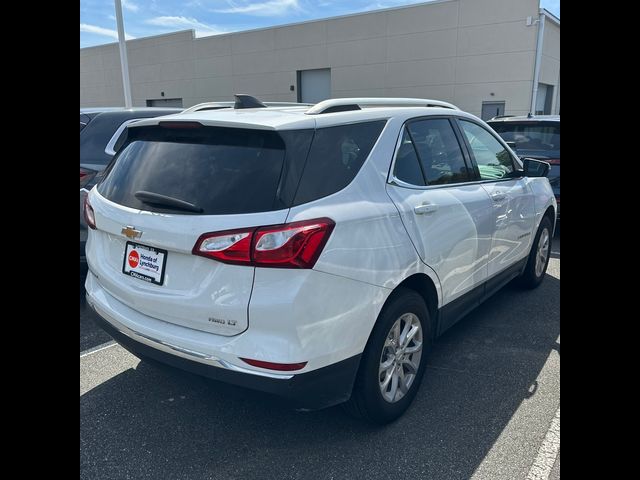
x: 98, y: 348
x: 548, y: 452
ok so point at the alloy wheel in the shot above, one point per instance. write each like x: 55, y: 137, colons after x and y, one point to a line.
x: 400, y: 358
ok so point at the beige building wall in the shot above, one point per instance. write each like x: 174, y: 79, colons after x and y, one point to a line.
x: 462, y: 51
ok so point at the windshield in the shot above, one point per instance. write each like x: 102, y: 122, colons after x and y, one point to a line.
x: 540, y: 139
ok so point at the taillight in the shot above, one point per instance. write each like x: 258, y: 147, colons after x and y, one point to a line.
x: 282, y: 367
x: 292, y: 245
x: 86, y: 176
x: 89, y: 216
x: 230, y: 246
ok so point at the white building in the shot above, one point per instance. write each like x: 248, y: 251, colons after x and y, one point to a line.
x: 481, y: 55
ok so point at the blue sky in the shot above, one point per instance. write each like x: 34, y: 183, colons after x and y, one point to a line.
x: 143, y: 18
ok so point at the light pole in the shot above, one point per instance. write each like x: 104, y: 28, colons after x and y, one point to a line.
x: 124, y: 63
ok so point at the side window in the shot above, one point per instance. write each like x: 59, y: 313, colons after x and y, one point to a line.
x: 494, y: 161
x: 335, y: 157
x: 407, y: 168
x: 439, y: 151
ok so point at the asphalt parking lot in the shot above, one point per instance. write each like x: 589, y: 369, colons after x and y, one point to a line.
x: 488, y: 408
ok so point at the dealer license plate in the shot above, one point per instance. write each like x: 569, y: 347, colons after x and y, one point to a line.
x: 144, y: 262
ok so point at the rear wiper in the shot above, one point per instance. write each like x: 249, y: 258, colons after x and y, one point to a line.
x: 160, y: 200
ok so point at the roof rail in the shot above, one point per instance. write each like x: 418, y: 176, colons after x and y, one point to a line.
x: 501, y: 116
x: 343, y: 104
x: 208, y: 106
x: 218, y: 105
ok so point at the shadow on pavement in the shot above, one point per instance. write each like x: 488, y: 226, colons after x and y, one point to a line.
x: 158, y: 422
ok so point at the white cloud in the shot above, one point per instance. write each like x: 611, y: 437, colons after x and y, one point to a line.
x: 129, y: 5
x: 270, y: 8
x: 391, y: 3
x: 85, y: 27
x: 202, y: 29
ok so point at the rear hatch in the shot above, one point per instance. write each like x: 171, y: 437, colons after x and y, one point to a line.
x: 193, y: 180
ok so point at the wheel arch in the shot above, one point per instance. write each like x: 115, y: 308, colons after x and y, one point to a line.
x: 423, y: 285
x: 550, y: 213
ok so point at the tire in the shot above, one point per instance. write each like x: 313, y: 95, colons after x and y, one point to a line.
x: 367, y: 399
x: 534, y: 271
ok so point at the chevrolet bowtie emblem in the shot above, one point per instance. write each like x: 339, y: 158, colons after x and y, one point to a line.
x: 131, y: 232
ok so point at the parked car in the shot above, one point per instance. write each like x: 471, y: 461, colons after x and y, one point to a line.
x: 102, y: 132
x: 535, y: 136
x: 312, y: 253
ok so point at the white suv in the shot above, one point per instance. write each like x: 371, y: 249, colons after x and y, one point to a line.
x: 313, y: 253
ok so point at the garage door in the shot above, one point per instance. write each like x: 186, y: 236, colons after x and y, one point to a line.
x: 314, y: 85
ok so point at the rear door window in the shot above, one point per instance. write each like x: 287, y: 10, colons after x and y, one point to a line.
x: 439, y: 151
x: 219, y: 170
x: 336, y: 156
x: 407, y: 166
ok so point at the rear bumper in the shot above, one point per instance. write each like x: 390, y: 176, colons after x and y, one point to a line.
x: 312, y: 390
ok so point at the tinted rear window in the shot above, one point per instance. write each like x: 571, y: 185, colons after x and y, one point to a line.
x: 335, y: 157
x: 221, y: 170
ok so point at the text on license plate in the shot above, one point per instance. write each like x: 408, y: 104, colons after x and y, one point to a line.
x: 144, y: 262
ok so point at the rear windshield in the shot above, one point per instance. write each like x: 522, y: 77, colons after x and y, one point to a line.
x: 531, y: 138
x: 218, y: 170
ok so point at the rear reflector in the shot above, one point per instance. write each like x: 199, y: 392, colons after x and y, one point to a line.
x: 292, y: 245
x: 281, y: 367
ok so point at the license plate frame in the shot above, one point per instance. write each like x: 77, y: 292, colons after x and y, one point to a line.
x: 144, y: 272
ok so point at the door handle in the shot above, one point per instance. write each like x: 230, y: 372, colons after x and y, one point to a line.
x: 498, y: 196
x: 425, y: 208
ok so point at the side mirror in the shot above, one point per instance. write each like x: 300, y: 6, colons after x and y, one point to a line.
x: 535, y: 168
